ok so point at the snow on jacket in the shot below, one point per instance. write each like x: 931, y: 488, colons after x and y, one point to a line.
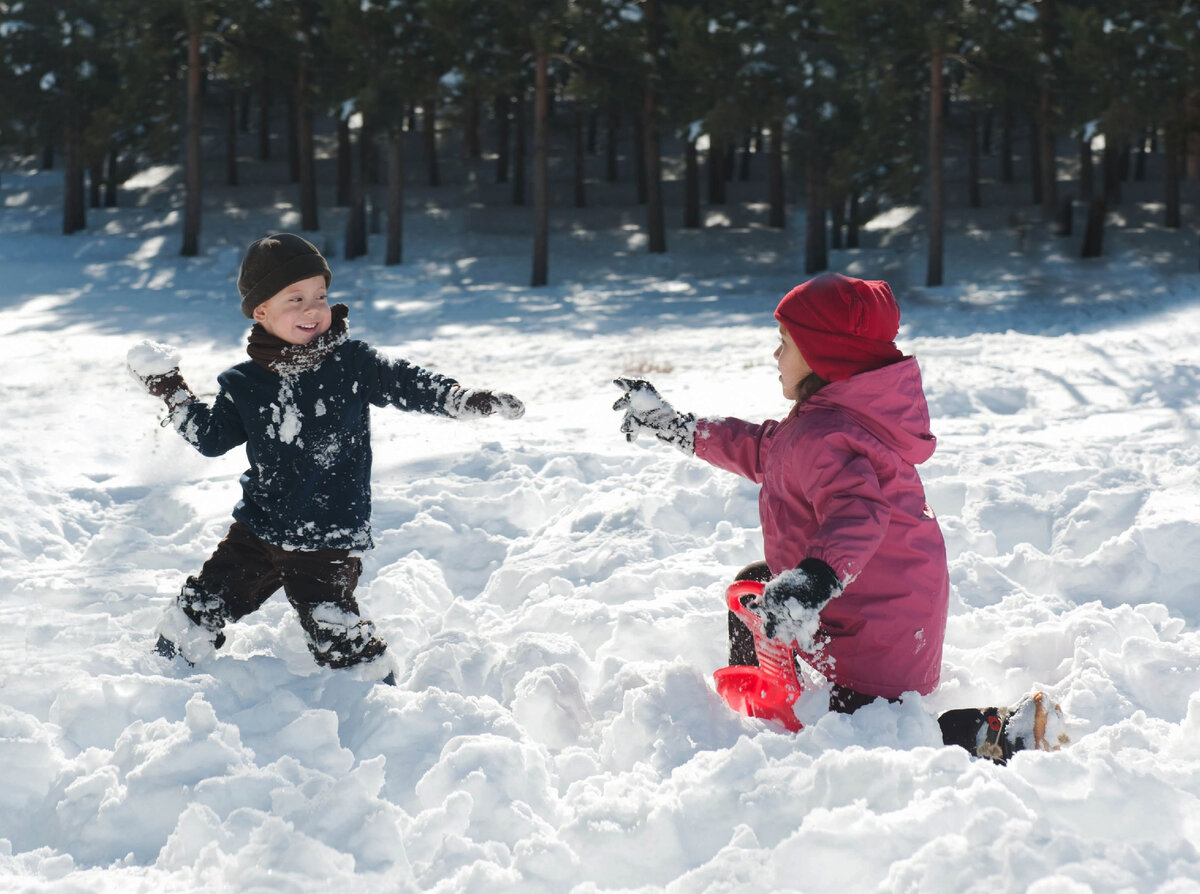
x: 839, y: 483
x: 308, y: 440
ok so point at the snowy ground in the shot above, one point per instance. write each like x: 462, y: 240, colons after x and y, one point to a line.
x: 554, y: 595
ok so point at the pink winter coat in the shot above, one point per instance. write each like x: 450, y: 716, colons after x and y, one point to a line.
x: 839, y: 483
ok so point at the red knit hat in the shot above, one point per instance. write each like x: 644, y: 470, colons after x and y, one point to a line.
x: 842, y: 325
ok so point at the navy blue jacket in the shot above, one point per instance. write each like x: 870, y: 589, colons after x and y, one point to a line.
x: 308, y: 440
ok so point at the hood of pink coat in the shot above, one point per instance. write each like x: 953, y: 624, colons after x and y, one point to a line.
x: 889, y: 402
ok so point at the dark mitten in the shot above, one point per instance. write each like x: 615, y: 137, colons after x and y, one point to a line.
x: 156, y: 366
x: 465, y: 403
x: 169, y: 386
x: 646, y: 412
x: 792, y: 602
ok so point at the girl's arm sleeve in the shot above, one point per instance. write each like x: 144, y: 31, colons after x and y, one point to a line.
x: 404, y: 385
x: 851, y: 510
x: 213, y: 429
x: 733, y: 445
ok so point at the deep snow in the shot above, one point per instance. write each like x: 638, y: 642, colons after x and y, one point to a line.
x: 553, y: 594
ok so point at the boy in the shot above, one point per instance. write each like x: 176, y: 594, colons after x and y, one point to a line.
x: 301, y: 405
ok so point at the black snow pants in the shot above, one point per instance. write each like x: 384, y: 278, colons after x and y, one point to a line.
x: 245, y: 571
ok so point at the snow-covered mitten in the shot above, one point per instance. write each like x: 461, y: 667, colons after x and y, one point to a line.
x: 156, y: 367
x: 647, y: 413
x: 998, y: 733
x: 792, y: 602
x: 467, y: 403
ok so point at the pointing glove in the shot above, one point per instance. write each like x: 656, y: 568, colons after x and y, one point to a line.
x: 646, y: 412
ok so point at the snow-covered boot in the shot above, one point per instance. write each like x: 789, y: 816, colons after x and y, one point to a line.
x: 998, y: 733
x: 169, y: 650
x: 180, y: 637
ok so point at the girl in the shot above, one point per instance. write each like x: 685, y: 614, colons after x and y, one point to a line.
x: 855, y: 568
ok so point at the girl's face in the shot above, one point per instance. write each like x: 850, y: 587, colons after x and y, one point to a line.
x: 792, y: 367
x: 298, y: 313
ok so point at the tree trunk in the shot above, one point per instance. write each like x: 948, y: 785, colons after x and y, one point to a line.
x: 368, y: 147
x: 1036, y: 181
x: 655, y: 222
x: 1006, y: 143
x: 264, y: 120
x: 852, y: 220
x: 430, y: 141
x: 1049, y: 20
x: 1093, y: 235
x: 231, y: 132
x: 639, y: 154
x: 293, y: 142
x: 193, y: 177
x: 394, y: 253
x: 74, y: 203
x: 744, y: 158
x: 937, y: 149
x: 1111, y: 169
x: 974, y: 195
x: 837, y: 220
x: 472, y: 148
x: 345, y: 163
x: 500, y: 110
x: 541, y: 169
x: 95, y: 178
x: 1049, y: 166
x: 691, y: 186
x: 611, y: 148
x: 580, y: 166
x: 816, y: 253
x: 304, y: 140
x: 777, y: 209
x: 368, y: 152
x: 356, y: 218
x: 716, y: 170
x: 111, y: 181
x: 518, y: 178
x: 1087, y: 171
x: 356, y: 227
x: 1172, y: 216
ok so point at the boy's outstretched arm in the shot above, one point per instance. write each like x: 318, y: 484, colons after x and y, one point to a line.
x: 646, y: 412
x: 409, y: 387
x: 211, y: 430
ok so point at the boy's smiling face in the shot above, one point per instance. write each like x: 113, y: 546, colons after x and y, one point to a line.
x: 297, y: 313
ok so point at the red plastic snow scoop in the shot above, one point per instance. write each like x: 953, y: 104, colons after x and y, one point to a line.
x: 770, y: 690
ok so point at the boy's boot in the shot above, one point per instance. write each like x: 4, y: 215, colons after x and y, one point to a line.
x: 181, y: 636
x: 997, y: 733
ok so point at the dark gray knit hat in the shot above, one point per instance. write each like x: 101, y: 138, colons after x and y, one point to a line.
x: 274, y: 263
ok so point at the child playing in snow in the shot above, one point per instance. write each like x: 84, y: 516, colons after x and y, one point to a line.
x: 855, y: 570
x: 301, y: 405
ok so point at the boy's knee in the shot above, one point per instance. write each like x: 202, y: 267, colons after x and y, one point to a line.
x: 338, y: 638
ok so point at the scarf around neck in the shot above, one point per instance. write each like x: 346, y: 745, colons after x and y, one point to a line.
x: 280, y: 357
